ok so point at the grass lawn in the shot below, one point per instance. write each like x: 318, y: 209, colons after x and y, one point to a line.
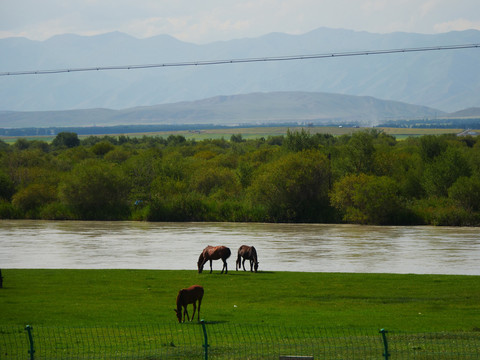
x: 122, y: 297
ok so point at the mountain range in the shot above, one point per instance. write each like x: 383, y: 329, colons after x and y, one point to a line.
x: 247, y: 109
x: 446, y: 80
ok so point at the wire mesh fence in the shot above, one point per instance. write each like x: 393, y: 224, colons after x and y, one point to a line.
x: 230, y: 341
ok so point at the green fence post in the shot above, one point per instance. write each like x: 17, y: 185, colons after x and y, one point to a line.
x: 205, y: 345
x: 30, y: 339
x: 385, y: 343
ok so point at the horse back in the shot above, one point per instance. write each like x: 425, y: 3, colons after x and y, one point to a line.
x: 216, y: 252
x: 248, y: 252
x: 243, y: 250
x: 190, y: 295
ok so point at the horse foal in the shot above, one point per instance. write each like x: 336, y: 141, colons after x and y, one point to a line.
x: 189, y: 296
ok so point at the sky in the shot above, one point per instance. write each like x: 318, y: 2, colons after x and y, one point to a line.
x: 205, y: 21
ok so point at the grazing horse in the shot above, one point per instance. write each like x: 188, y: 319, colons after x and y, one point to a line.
x: 189, y: 296
x: 214, y: 253
x: 248, y: 253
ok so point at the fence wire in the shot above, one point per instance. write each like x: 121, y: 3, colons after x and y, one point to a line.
x: 230, y: 341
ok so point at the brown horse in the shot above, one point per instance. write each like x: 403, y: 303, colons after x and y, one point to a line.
x: 248, y: 253
x: 189, y: 296
x: 214, y: 253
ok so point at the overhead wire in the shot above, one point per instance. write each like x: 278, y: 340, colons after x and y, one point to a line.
x: 241, y: 60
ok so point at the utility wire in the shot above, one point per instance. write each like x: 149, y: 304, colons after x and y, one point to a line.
x: 243, y: 60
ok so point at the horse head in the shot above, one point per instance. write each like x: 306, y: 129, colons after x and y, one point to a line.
x: 200, y: 263
x: 179, y: 315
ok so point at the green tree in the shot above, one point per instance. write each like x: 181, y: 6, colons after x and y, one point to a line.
x: 21, y: 144
x: 466, y: 192
x: 294, y: 187
x: 66, y: 139
x: 210, y: 180
x: 367, y: 199
x: 360, y: 152
x: 237, y: 138
x: 102, y: 148
x: 32, y: 198
x: 443, y: 171
x: 96, y: 190
x: 7, y: 188
x: 298, y: 140
x: 432, y: 146
x: 140, y: 171
x: 403, y: 164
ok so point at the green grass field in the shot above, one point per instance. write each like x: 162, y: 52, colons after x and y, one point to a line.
x: 122, y: 297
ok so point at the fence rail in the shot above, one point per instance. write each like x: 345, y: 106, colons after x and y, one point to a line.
x: 230, y: 341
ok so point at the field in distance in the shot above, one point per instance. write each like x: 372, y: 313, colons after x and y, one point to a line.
x: 259, y: 132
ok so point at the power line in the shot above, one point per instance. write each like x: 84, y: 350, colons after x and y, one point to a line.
x: 243, y: 60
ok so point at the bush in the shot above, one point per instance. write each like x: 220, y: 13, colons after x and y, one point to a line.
x: 368, y: 199
x: 439, y: 211
x: 96, y: 190
x: 466, y: 192
x: 56, y: 211
x: 66, y: 139
x: 30, y: 199
x: 8, y: 211
x: 294, y: 188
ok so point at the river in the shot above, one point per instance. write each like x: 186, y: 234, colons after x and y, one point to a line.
x: 280, y: 247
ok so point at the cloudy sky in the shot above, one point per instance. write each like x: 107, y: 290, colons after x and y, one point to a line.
x: 203, y: 21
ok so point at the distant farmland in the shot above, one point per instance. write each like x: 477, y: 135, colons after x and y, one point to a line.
x: 256, y: 132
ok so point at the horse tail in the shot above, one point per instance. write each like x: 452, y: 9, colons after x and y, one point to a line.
x: 238, y: 264
x: 228, y: 252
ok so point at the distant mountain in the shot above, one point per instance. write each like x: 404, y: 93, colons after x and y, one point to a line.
x: 467, y: 113
x: 447, y: 80
x: 247, y: 109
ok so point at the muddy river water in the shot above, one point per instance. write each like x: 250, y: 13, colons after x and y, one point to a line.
x: 280, y: 247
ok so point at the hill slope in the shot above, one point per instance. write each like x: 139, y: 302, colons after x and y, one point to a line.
x: 447, y: 80
x: 254, y: 108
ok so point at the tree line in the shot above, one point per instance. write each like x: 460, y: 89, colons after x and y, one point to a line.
x: 367, y: 177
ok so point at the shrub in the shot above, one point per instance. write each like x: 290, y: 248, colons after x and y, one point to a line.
x: 367, y: 199
x: 440, y: 211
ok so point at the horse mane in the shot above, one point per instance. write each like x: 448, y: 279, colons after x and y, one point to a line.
x: 254, y: 253
x: 179, y: 298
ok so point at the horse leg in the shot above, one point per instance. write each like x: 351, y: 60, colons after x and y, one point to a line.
x: 251, y: 265
x: 211, y: 269
x: 185, y: 311
x: 224, y: 266
x: 199, y: 303
x: 243, y: 263
x: 194, y: 309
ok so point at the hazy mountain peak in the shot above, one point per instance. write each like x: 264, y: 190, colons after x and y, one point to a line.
x: 447, y: 80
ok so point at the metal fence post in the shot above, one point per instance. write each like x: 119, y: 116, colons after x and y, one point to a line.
x: 385, y: 343
x: 30, y: 339
x: 205, y: 345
